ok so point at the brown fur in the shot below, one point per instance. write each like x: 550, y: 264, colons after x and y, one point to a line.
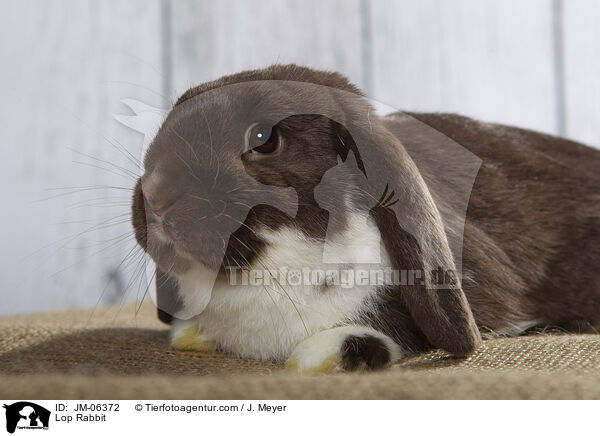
x: 531, y: 242
x: 532, y: 235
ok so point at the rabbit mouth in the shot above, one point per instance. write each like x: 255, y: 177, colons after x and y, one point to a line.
x: 159, y: 235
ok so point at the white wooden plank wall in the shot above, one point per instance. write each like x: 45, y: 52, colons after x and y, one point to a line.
x: 489, y: 59
x: 231, y: 35
x: 581, y: 29
x: 67, y: 63
x: 65, y: 66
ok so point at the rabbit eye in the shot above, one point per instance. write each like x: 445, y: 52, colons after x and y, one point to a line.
x: 262, y: 139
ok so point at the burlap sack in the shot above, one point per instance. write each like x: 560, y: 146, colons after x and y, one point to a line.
x: 116, y: 354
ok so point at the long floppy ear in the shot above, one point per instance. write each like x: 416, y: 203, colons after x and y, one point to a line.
x: 414, y: 236
x: 440, y: 310
x: 167, y: 300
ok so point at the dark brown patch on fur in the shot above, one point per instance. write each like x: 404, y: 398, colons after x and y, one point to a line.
x: 364, y: 351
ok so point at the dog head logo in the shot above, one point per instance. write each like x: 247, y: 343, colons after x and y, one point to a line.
x: 26, y: 415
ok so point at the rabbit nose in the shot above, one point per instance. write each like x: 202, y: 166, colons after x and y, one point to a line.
x: 162, y: 209
x: 158, y: 193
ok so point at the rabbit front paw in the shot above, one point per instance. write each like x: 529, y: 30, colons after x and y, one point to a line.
x: 347, y: 348
x: 188, y: 336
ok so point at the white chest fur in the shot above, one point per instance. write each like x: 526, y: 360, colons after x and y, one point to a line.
x: 266, y: 319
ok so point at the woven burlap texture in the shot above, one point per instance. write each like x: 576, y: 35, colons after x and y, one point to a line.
x: 112, y: 353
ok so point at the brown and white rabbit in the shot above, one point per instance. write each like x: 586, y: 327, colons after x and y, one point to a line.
x: 289, y: 169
